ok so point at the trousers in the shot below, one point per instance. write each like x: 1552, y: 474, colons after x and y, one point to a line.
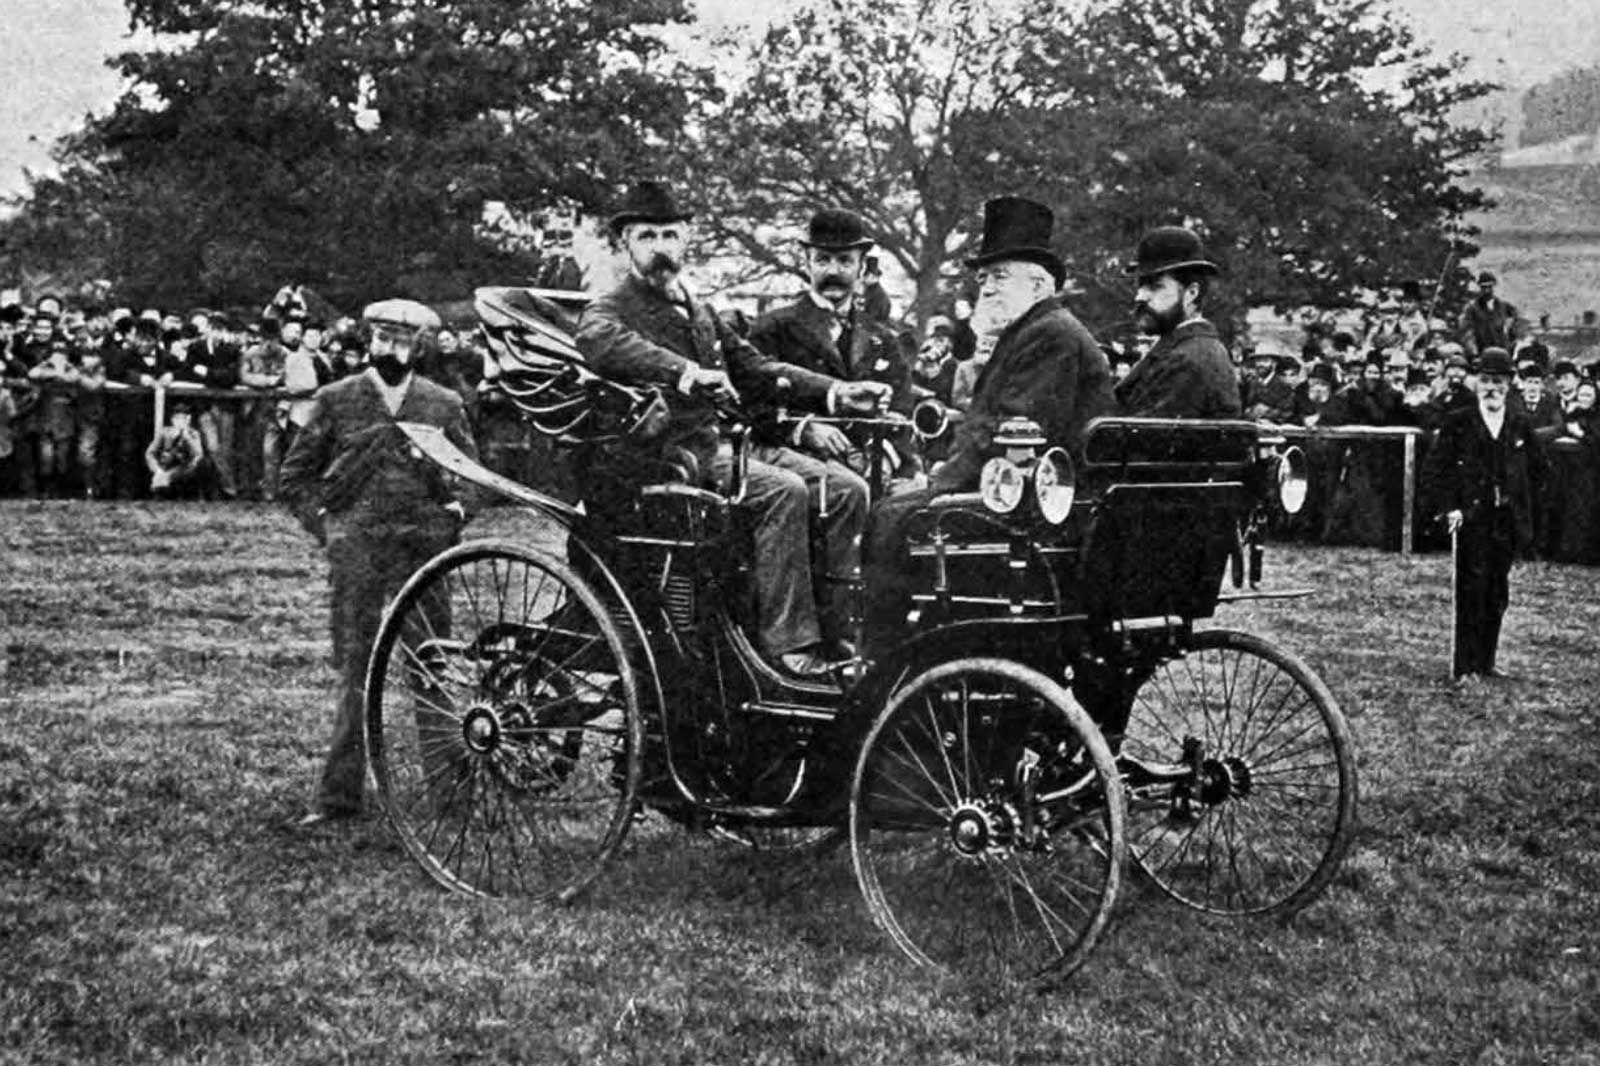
x: 367, y: 565
x: 1485, y: 547
x: 838, y: 498
x: 786, y: 611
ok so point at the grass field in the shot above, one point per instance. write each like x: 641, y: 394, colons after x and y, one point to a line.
x: 163, y: 702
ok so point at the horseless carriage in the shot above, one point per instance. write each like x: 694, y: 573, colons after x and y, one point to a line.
x: 1050, y: 712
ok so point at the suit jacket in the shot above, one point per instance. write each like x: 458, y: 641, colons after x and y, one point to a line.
x: 636, y: 336
x: 1045, y: 366
x: 1186, y: 375
x: 801, y: 334
x: 351, y: 459
x: 1466, y: 465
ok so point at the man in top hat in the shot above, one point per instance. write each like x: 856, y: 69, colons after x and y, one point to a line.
x: 1487, y: 321
x: 829, y: 331
x: 1481, y: 476
x: 875, y: 300
x: 352, y: 481
x: 1045, y: 366
x: 1187, y: 373
x: 651, y: 330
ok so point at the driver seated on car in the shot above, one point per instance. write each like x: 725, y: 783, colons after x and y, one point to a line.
x: 1045, y: 367
x: 650, y: 330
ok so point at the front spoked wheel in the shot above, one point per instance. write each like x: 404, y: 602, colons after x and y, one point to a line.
x: 503, y: 723
x: 1241, y: 779
x: 986, y: 823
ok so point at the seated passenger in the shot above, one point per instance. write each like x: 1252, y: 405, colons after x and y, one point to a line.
x: 1045, y: 367
x: 1187, y: 374
x: 650, y: 330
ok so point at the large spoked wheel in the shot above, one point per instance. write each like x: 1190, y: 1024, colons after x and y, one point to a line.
x: 986, y: 823
x: 1242, y: 787
x: 503, y: 723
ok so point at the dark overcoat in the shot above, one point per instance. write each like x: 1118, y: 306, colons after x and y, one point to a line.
x: 1046, y: 366
x: 1186, y: 375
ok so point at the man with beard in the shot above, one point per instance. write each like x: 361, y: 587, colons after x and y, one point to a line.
x: 1481, y: 477
x: 1045, y: 366
x: 352, y: 482
x: 650, y: 330
x: 828, y: 330
x: 1187, y: 373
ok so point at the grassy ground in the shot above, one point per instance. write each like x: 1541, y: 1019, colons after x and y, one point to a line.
x: 163, y: 700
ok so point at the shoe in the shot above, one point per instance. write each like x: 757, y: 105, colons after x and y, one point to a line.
x: 316, y: 819
x: 806, y: 662
x: 1496, y: 674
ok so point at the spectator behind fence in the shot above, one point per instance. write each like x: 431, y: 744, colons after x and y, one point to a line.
x: 174, y: 458
x: 261, y: 369
x: 56, y: 417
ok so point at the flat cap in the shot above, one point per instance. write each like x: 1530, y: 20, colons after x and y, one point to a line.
x: 407, y: 314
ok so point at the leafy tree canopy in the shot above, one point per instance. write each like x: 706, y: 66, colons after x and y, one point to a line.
x: 352, y: 144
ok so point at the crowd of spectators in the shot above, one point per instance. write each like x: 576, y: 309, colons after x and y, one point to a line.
x: 117, y: 404
x: 79, y: 408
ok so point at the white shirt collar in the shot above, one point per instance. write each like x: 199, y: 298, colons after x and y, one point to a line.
x: 828, y: 305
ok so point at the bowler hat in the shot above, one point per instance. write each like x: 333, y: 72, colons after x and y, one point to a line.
x: 1494, y: 362
x: 1168, y: 248
x: 1321, y: 372
x: 1564, y: 366
x: 648, y: 201
x: 407, y: 314
x: 1456, y: 359
x: 1486, y: 278
x: 836, y: 229
x: 1397, y: 359
x: 1018, y: 228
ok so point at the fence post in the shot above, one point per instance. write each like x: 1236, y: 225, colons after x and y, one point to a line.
x: 1408, y: 494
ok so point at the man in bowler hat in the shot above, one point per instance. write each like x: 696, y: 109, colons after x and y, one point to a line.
x: 1481, y: 477
x: 351, y: 479
x: 1045, y: 366
x: 651, y: 330
x: 1187, y: 373
x: 828, y: 330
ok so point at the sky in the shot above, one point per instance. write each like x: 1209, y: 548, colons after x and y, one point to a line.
x: 54, y: 71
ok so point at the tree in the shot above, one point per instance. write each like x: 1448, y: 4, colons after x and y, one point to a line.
x: 857, y: 104
x: 1310, y: 140
x: 353, y: 144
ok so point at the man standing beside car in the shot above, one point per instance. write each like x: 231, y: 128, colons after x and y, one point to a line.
x: 352, y: 481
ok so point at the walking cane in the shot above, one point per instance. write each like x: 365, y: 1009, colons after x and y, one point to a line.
x: 1455, y: 569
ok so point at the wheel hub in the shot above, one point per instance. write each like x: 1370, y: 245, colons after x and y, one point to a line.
x: 1224, y: 779
x: 481, y: 730
x: 976, y: 827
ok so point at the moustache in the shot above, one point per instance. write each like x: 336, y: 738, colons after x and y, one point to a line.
x: 660, y: 262
x: 834, y: 281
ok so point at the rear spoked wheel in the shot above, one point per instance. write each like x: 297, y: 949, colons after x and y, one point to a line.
x: 1250, y: 807
x: 503, y: 723
x: 986, y: 824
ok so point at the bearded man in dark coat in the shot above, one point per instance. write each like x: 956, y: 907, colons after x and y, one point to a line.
x: 1187, y: 373
x: 1045, y: 366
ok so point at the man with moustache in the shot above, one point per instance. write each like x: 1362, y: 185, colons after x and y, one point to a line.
x: 651, y: 330
x: 1045, y: 366
x: 829, y: 330
x: 353, y: 483
x: 1187, y: 373
x: 1481, y: 476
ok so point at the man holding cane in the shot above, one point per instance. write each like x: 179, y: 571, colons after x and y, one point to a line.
x: 1481, y: 475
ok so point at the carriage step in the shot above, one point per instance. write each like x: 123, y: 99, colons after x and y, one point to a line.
x: 805, y: 711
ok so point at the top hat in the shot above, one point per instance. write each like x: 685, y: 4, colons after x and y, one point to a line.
x: 1018, y: 228
x: 648, y: 201
x: 1417, y: 376
x: 1494, y: 362
x: 836, y: 229
x: 1168, y: 248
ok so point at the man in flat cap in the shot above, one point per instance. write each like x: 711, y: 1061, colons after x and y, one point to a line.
x: 1045, y: 366
x: 351, y: 480
x: 1187, y: 373
x: 1481, y: 477
x: 1487, y: 321
x: 651, y: 330
x: 829, y: 331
